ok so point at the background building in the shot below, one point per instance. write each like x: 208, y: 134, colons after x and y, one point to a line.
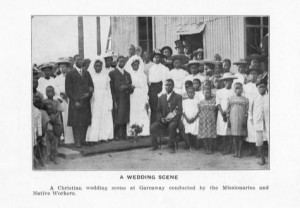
x: 233, y: 37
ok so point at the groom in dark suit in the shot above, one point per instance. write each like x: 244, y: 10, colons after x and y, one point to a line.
x: 169, y: 112
x: 79, y: 88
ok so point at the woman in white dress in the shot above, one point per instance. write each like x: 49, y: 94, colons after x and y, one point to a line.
x: 139, y: 98
x: 101, y: 128
x: 64, y: 66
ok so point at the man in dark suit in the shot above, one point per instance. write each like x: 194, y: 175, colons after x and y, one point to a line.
x: 121, y: 88
x: 169, y: 113
x: 79, y: 89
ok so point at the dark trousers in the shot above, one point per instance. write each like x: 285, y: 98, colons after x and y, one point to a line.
x: 154, y: 89
x: 79, y: 133
x: 158, y: 128
x: 120, y: 131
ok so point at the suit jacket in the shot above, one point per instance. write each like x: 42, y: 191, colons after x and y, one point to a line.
x: 76, y: 85
x: 166, y: 106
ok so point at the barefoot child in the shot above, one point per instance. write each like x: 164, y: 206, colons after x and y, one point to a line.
x: 190, y: 117
x: 222, y: 99
x: 237, y: 114
x: 207, y: 120
x: 259, y: 117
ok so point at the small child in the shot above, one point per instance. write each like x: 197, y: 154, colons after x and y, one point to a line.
x: 55, y: 127
x: 190, y: 117
x: 207, y: 120
x: 237, y: 114
x: 187, y: 84
x: 259, y: 117
x: 197, y: 88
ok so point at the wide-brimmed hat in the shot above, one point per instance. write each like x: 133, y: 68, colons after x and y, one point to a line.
x: 45, y: 66
x: 252, y: 68
x: 192, y: 62
x: 228, y: 75
x: 157, y: 52
x: 199, y: 50
x: 178, y: 43
x: 240, y: 62
x: 183, y: 59
x: 63, y: 60
x: 166, y: 47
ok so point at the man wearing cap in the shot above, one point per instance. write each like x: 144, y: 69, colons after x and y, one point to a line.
x: 158, y: 74
x: 79, y: 89
x: 64, y: 66
x: 47, y: 80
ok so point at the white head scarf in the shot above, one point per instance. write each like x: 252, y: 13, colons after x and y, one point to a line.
x: 91, y: 68
x: 141, y: 68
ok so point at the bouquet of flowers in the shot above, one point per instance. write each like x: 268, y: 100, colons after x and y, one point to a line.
x: 135, y: 130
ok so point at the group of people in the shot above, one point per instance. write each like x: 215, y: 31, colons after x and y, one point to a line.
x: 181, y: 96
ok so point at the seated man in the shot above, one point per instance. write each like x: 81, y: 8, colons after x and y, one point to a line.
x: 169, y: 113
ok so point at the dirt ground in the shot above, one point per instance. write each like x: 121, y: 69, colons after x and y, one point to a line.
x: 143, y: 159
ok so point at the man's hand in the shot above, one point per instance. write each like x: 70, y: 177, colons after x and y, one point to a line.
x: 245, y: 125
x: 115, y: 105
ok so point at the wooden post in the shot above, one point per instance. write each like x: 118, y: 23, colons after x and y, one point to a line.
x: 80, y: 37
x: 98, y: 37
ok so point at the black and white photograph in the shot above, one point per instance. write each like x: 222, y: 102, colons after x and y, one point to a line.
x: 150, y: 93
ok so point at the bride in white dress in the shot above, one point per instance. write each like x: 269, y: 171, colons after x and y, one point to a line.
x: 101, y: 127
x: 139, y: 98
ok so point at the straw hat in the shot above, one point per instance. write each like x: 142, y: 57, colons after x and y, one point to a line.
x: 228, y: 75
x: 192, y: 62
x: 45, y: 66
x: 199, y: 50
x: 63, y: 61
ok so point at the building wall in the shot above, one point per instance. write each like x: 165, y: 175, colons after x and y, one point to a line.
x: 222, y: 34
x: 123, y: 33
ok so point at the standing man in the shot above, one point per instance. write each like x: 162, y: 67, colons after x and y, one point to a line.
x: 79, y: 89
x: 169, y: 112
x: 158, y: 74
x: 121, y: 88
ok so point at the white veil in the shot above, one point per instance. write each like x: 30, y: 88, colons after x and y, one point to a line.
x: 91, y: 68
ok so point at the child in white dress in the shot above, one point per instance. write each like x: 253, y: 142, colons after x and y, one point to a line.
x: 190, y: 116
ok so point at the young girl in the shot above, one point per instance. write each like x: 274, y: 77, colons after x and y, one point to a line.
x: 222, y: 98
x: 187, y: 84
x: 207, y: 120
x: 237, y: 114
x: 197, y: 88
x: 190, y: 116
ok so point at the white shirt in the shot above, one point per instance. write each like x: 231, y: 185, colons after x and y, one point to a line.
x: 178, y: 75
x: 78, y: 69
x: 169, y: 95
x: 120, y: 70
x: 158, y: 73
x: 259, y: 112
x: 240, y: 78
x: 60, y: 83
x: 146, y: 69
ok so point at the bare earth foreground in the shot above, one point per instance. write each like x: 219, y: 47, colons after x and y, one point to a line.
x: 143, y: 159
